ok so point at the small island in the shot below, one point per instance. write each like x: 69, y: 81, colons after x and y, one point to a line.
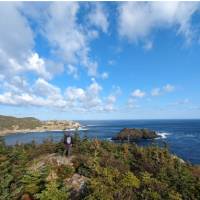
x: 12, y: 125
x: 133, y: 134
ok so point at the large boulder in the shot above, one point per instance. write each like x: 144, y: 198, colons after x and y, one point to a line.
x: 132, y: 134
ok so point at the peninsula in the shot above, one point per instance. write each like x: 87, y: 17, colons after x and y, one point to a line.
x: 12, y: 125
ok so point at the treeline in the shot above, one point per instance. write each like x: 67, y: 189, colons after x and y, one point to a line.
x: 112, y: 172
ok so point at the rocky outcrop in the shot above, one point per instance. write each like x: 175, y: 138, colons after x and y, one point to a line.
x: 132, y: 134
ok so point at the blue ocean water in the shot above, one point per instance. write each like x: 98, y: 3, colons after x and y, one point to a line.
x: 182, y: 136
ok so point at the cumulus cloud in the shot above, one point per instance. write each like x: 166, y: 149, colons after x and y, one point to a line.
x: 136, y: 26
x: 37, y: 64
x: 17, y: 84
x: 17, y: 54
x: 138, y: 93
x: 112, y: 99
x: 99, y: 17
x: 165, y: 89
x: 89, y: 99
x: 71, y: 42
x: 14, y: 48
x: 44, y: 94
x: 44, y: 88
x: 69, y: 45
x: 74, y: 94
x: 168, y: 88
x: 15, y: 44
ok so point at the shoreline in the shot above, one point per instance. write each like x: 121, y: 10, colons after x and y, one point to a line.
x: 26, y: 131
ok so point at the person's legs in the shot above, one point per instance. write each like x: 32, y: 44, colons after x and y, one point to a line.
x: 65, y: 150
x: 69, y: 150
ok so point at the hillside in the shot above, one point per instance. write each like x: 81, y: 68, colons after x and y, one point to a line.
x: 9, y: 124
x: 97, y: 170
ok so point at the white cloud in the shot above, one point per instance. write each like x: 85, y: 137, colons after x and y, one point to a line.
x: 16, y: 36
x: 132, y: 103
x: 68, y: 41
x: 104, y: 75
x: 17, y: 54
x: 37, y: 64
x: 94, y: 88
x: 89, y: 99
x: 99, y: 17
x: 156, y: 92
x: 138, y: 93
x: 17, y: 84
x: 137, y: 20
x: 16, y: 41
x: 71, y: 42
x: 72, y: 70
x: 160, y: 91
x: 22, y: 99
x: 44, y: 88
x: 74, y: 94
x: 109, y: 104
x: 168, y: 88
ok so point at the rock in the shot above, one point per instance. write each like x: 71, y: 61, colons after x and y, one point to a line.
x: 135, y: 134
x: 76, y: 181
x: 26, y: 196
x: 50, y: 159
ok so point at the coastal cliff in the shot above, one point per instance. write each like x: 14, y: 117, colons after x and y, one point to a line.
x: 12, y: 125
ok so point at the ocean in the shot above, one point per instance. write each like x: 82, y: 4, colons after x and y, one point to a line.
x: 181, y: 136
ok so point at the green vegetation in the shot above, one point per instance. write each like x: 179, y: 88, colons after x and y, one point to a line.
x: 110, y: 171
x: 8, y: 122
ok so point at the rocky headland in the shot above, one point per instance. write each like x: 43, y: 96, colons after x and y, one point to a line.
x: 13, y: 125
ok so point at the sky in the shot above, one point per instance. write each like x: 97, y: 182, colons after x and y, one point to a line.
x: 100, y: 60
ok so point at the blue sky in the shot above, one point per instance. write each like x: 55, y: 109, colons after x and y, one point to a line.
x: 70, y: 60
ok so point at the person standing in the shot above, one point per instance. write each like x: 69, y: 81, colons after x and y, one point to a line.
x: 67, y: 143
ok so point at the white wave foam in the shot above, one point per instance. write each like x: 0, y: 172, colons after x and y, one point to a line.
x: 83, y: 129
x: 78, y: 129
x: 163, y: 135
x: 109, y: 139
